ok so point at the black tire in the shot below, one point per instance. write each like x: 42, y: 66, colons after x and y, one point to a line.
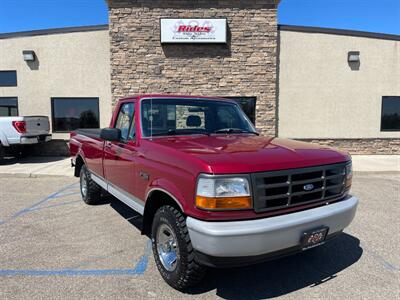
x: 21, y: 152
x: 187, y: 271
x: 2, y: 152
x: 92, y: 194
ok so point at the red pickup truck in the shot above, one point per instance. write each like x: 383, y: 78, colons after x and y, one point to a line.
x: 211, y: 190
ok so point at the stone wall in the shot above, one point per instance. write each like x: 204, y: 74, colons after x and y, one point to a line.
x: 361, y: 146
x: 245, y: 66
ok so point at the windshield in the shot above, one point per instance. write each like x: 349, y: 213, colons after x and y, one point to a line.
x: 161, y: 117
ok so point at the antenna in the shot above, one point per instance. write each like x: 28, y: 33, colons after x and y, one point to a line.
x: 151, y: 118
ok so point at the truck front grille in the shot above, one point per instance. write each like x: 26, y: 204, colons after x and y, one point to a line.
x: 287, y: 188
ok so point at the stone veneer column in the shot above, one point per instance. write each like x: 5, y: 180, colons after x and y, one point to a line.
x: 246, y: 66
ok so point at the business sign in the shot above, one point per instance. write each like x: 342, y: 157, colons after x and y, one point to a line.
x: 193, y: 30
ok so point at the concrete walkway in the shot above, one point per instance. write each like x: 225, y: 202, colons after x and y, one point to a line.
x: 376, y: 163
x: 36, y: 167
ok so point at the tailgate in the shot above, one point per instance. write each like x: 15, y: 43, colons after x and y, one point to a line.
x: 37, y: 125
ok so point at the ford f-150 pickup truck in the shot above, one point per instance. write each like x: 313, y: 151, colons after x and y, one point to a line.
x: 18, y: 132
x: 211, y: 190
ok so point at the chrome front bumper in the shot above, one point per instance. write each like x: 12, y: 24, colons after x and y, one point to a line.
x: 268, y: 235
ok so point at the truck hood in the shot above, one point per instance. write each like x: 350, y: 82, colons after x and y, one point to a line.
x: 242, y: 153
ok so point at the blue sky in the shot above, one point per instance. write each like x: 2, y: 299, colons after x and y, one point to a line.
x: 368, y: 15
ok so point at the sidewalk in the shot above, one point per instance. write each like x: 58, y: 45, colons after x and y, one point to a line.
x: 37, y: 166
x: 61, y: 166
x: 376, y: 163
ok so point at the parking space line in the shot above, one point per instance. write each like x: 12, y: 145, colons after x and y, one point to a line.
x: 381, y: 260
x: 54, y: 205
x: 139, y: 268
x: 55, y: 195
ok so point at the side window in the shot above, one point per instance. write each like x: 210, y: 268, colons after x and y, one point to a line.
x: 125, y: 120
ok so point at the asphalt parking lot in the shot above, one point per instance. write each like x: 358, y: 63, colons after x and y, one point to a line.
x: 52, y: 245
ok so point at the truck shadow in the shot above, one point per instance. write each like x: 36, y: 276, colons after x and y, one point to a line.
x: 283, y: 276
x: 273, y: 278
x: 11, y: 160
x: 134, y: 218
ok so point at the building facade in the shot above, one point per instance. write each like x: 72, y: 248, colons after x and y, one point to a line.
x: 141, y: 64
x: 69, y: 77
x: 334, y: 87
x: 325, y: 98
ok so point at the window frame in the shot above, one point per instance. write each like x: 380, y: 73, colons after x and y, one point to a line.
x: 128, y: 139
x: 381, y: 117
x: 11, y: 97
x: 16, y: 79
x: 70, y: 98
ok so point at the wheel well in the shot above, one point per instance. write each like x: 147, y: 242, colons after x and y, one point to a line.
x: 155, y: 200
x: 78, y: 165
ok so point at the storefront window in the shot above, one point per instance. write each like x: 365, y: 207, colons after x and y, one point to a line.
x: 72, y: 113
x: 8, y: 106
x: 390, y: 119
x: 248, y: 105
x: 8, y: 78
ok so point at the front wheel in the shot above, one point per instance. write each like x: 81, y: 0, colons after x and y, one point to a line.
x: 173, y: 251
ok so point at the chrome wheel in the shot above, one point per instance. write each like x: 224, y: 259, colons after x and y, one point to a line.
x: 84, y: 185
x: 167, y: 247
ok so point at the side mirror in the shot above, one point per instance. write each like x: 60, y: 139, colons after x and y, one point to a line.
x: 111, y: 134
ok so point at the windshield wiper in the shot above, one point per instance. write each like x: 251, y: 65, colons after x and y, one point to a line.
x: 168, y: 132
x: 235, y: 130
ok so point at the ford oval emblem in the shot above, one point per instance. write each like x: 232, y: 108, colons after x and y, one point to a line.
x: 308, y: 187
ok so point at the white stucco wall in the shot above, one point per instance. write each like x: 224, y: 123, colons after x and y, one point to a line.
x: 321, y: 97
x: 73, y: 64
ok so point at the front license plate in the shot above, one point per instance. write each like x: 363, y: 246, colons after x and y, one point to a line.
x: 314, y: 238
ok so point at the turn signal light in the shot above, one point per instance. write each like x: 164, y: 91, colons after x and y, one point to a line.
x: 223, y: 202
x: 349, y: 175
x: 20, y: 126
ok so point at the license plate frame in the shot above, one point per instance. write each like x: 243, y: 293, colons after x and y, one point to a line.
x: 314, y: 238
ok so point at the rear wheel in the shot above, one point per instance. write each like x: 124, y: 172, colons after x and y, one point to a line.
x: 21, y: 151
x: 90, y: 190
x: 173, y: 251
x: 2, y: 151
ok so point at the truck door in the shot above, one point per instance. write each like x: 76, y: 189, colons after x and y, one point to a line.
x: 120, y: 157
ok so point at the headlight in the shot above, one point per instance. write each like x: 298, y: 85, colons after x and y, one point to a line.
x: 349, y: 174
x: 223, y: 193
